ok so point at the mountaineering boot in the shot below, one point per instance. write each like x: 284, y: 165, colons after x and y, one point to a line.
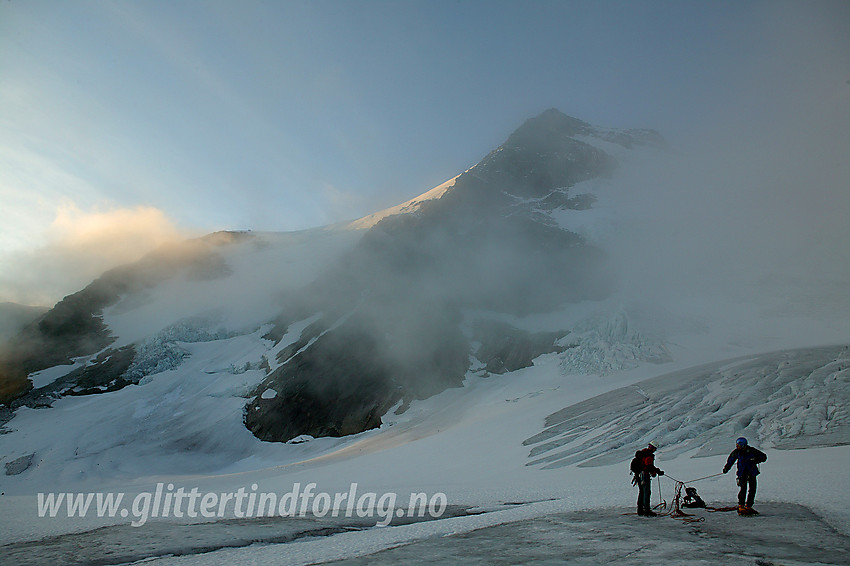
x: 746, y: 510
x: 650, y: 514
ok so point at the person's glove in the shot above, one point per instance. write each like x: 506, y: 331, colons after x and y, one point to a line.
x: 660, y: 472
x: 725, y: 469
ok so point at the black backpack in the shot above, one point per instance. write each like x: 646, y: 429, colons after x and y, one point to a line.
x: 636, y: 466
x: 692, y: 499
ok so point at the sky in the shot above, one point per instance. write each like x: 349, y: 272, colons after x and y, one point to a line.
x: 124, y: 125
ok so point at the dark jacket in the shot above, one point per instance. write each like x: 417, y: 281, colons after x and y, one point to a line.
x: 647, y: 458
x: 748, y: 459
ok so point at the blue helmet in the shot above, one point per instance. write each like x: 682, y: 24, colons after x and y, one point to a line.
x: 741, y: 441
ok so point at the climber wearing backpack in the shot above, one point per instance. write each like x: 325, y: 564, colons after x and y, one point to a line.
x: 748, y: 459
x: 643, y: 468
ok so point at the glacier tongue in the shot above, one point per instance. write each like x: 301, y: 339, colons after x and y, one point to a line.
x: 786, y: 400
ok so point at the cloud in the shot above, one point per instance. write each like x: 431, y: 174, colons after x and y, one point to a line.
x: 751, y: 208
x: 80, y: 246
x: 753, y: 214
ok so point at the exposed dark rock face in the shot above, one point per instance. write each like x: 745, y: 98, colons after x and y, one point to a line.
x: 19, y: 465
x: 542, y: 155
x: 74, y: 327
x: 347, y: 399
x: 351, y: 374
x: 100, y: 375
x: 14, y: 318
x: 106, y: 373
x: 505, y: 348
x: 394, y: 305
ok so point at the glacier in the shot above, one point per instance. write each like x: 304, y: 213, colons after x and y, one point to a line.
x: 529, y: 444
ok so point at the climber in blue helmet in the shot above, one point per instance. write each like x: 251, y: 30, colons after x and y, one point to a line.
x: 748, y: 459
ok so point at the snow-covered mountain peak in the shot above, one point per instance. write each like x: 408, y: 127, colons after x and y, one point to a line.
x: 552, y: 123
x: 406, y: 207
x: 540, y: 160
x: 547, y: 155
x: 552, y: 127
x: 385, y: 295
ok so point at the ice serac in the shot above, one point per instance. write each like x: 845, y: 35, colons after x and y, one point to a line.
x: 789, y: 399
x: 396, y: 308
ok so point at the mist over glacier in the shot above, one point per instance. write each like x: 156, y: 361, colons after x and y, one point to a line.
x: 268, y: 335
x: 428, y: 345
x: 601, y: 228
